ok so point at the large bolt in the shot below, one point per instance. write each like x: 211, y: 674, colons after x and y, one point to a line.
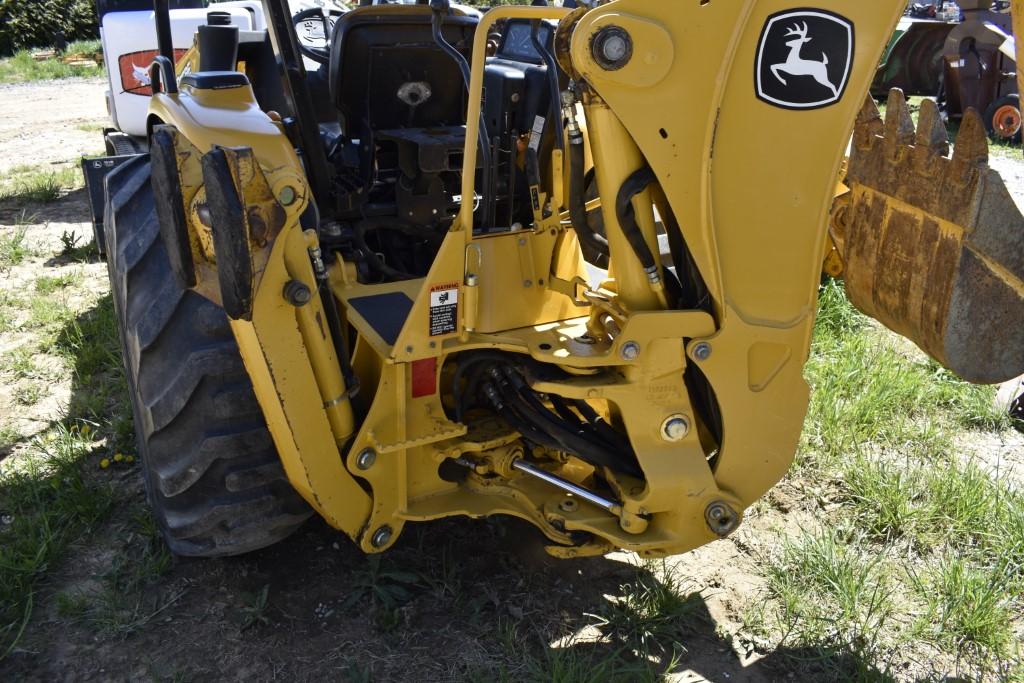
x: 381, y: 537
x: 702, y: 351
x: 675, y: 428
x: 366, y: 458
x: 287, y: 196
x: 297, y: 293
x: 721, y: 518
x: 630, y: 351
x: 612, y: 48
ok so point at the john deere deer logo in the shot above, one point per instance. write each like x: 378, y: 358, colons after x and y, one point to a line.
x: 794, y: 75
x: 796, y: 65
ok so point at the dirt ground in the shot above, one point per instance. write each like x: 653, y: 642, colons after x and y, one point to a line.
x: 479, y: 597
x: 45, y: 125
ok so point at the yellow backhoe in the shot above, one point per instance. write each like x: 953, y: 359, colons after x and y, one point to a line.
x: 555, y: 263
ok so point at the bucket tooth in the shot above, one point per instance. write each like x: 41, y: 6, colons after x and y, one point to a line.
x: 869, y: 125
x: 931, y: 131
x: 971, y: 148
x: 899, y: 126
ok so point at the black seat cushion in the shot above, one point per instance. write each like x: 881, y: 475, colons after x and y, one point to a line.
x: 375, y: 51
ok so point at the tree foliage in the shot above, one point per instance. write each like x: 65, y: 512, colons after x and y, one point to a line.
x: 33, y: 23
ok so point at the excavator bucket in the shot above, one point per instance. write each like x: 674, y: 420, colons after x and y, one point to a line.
x: 932, y: 244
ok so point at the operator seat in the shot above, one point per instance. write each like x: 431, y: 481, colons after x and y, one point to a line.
x: 386, y: 72
x: 401, y: 104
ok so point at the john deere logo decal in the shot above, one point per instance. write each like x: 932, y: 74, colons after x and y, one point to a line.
x: 804, y: 58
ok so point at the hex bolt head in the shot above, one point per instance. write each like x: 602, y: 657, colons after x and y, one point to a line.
x: 612, y: 48
x: 630, y: 351
x: 381, y: 537
x: 287, y: 195
x: 297, y: 293
x: 702, y: 351
x: 366, y: 458
x: 721, y: 518
x: 675, y: 428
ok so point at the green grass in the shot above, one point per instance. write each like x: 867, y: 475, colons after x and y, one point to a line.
x: 922, y: 559
x: 28, y: 393
x: 127, y: 601
x: 869, y: 393
x: 532, y: 659
x: 50, y: 284
x: 13, y: 247
x: 21, y: 67
x: 653, y: 615
x: 53, y: 490
x: 21, y: 363
x: 38, y: 185
x: 829, y: 588
x: 92, y: 127
x: 969, y: 608
x: 50, y: 503
x: 9, y: 307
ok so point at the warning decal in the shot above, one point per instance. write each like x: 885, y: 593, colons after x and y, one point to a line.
x: 444, y: 309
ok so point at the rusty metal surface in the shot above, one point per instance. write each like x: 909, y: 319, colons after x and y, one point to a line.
x: 932, y: 245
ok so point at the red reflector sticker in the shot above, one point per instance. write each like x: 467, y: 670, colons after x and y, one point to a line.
x: 424, y: 377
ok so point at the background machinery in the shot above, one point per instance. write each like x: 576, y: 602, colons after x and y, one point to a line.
x: 561, y: 282
x: 966, y: 62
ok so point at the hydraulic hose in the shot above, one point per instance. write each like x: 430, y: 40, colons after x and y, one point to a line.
x: 460, y: 372
x: 440, y: 9
x: 589, y: 450
x: 634, y: 185
x: 552, y: 66
x: 362, y: 227
x: 513, y: 415
x: 603, y: 429
x: 503, y: 387
x: 595, y: 244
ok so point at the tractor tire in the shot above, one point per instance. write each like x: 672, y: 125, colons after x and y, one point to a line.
x: 212, y: 473
x: 1003, y: 119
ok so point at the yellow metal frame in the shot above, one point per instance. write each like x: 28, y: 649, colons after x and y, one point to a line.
x: 752, y: 186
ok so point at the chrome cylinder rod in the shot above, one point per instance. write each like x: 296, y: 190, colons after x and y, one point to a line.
x: 567, y: 486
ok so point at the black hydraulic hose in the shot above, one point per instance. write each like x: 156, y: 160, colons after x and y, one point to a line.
x: 512, y: 398
x: 634, y: 185
x: 521, y: 412
x: 440, y: 9
x: 384, y: 223
x: 601, y: 426
x: 587, y: 429
x: 340, y: 339
x: 594, y: 452
x: 554, y: 108
x: 463, y: 367
x: 595, y: 243
x: 337, y: 330
x: 513, y: 415
x: 563, y: 410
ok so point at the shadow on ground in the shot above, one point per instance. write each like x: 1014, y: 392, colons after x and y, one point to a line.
x: 72, y: 207
x: 457, y: 599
